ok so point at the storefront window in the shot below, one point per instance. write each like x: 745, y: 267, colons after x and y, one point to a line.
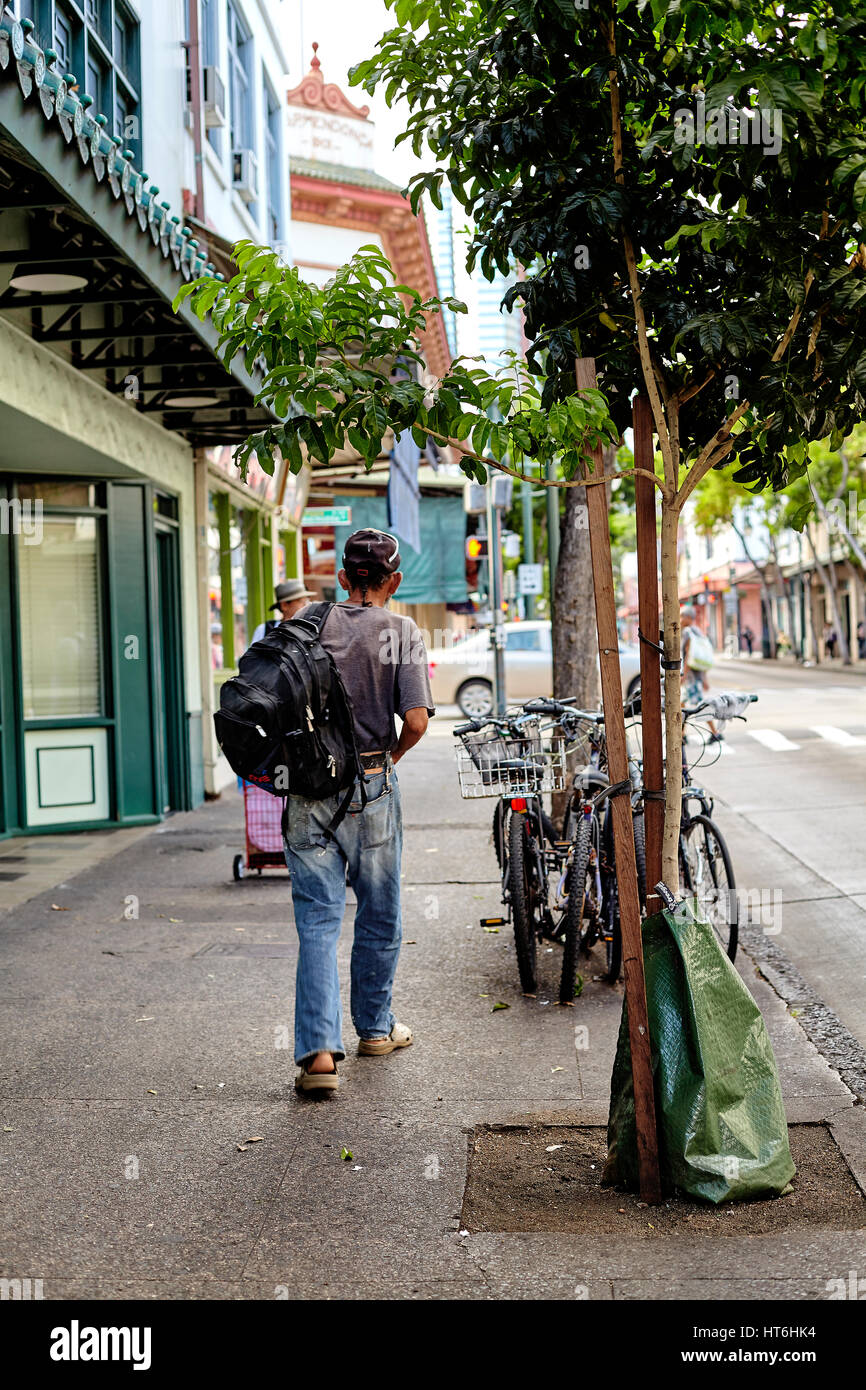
x: 61, y: 626
x: 241, y: 522
x: 59, y: 494
x: 214, y: 586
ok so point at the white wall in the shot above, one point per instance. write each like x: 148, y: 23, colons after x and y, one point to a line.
x: 168, y: 145
x: 315, y: 246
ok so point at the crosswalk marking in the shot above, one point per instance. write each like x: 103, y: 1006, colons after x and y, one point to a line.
x: 840, y: 736
x: 772, y: 739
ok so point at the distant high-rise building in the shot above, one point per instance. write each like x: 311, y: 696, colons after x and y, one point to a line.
x: 486, y: 329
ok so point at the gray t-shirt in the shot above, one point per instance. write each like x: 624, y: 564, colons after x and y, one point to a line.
x: 383, y: 662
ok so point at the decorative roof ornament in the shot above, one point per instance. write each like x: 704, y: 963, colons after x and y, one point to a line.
x: 316, y: 94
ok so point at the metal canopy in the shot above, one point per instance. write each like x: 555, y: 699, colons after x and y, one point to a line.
x: 120, y: 327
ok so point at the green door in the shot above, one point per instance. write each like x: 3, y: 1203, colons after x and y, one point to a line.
x: 8, y: 757
x: 171, y: 733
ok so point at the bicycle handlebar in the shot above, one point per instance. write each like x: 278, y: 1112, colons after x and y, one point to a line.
x: 726, y: 704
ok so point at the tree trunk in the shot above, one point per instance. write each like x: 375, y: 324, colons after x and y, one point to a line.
x: 828, y: 579
x: 788, y: 596
x: 574, y: 644
x: 766, y: 596
x: 673, y: 697
x: 575, y: 669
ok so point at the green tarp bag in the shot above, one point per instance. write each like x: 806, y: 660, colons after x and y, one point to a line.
x: 721, y: 1122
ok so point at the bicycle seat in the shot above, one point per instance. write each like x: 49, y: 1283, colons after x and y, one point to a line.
x: 591, y: 779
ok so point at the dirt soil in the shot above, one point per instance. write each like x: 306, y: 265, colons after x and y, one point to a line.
x: 515, y: 1184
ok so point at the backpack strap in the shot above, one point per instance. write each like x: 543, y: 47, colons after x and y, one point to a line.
x: 316, y: 614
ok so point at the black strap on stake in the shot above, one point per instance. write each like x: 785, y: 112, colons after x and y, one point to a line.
x: 666, y: 665
x: 615, y: 789
x: 662, y: 891
x: 653, y: 794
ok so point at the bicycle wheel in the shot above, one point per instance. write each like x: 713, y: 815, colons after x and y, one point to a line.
x: 707, y: 874
x: 576, y: 929
x: 640, y: 855
x: 500, y: 838
x: 520, y: 876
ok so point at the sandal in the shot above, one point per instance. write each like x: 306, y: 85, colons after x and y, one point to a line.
x: 317, y: 1080
x: 400, y: 1036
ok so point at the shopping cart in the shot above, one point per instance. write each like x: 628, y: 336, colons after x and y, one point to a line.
x: 263, y: 815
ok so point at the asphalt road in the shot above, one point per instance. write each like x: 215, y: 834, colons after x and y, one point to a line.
x: 790, y: 793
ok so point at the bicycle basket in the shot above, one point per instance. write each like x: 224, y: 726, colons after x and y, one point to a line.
x: 492, y: 763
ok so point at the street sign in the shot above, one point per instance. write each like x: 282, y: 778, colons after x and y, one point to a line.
x: 530, y: 579
x: 501, y: 489
x: 474, y: 498
x: 511, y: 545
x: 327, y: 516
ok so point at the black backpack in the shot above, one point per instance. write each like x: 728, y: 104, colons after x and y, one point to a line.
x: 285, y: 721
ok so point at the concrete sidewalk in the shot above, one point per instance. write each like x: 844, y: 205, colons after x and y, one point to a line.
x: 141, y: 1055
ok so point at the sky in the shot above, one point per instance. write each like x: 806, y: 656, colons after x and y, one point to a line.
x: 347, y: 31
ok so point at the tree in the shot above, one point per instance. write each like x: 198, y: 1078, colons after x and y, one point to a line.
x: 717, y: 499
x: 685, y: 183
x: 834, y: 488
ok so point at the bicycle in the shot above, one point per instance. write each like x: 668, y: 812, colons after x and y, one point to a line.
x: 517, y: 759
x: 705, y: 868
x: 592, y: 910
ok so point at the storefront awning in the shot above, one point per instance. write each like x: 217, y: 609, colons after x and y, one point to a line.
x: 72, y: 203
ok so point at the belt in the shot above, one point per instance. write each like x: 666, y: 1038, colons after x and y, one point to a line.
x: 375, y: 762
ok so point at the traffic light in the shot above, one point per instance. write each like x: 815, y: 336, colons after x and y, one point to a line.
x: 476, y: 548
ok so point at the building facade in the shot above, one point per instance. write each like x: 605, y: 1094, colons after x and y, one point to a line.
x: 115, y: 416
x: 339, y: 203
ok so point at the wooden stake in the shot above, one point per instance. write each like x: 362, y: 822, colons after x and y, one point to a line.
x: 623, y: 833
x: 650, y: 668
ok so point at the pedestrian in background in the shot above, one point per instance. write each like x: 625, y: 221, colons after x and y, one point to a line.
x: 698, y: 658
x: 291, y: 596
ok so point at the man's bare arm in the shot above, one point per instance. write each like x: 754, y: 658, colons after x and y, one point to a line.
x: 414, y: 728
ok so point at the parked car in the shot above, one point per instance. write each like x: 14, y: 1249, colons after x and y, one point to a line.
x: 462, y: 674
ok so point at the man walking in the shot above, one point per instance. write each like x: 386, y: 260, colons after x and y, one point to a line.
x: 383, y: 663
x: 291, y: 596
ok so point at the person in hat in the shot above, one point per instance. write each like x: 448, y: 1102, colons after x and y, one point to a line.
x: 291, y: 596
x: 383, y: 663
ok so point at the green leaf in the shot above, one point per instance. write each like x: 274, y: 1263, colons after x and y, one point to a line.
x: 798, y: 516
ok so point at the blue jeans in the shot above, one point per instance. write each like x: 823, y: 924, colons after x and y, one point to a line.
x: 365, y: 847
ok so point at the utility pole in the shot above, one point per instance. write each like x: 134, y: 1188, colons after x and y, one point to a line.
x: 552, y: 530
x: 528, y: 540
x: 494, y: 564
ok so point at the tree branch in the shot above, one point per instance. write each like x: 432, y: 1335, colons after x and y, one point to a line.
x: 644, y: 351
x: 711, y: 454
x: 545, y: 482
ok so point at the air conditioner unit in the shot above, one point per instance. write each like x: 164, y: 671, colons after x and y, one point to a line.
x: 214, y: 97
x: 245, y: 176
